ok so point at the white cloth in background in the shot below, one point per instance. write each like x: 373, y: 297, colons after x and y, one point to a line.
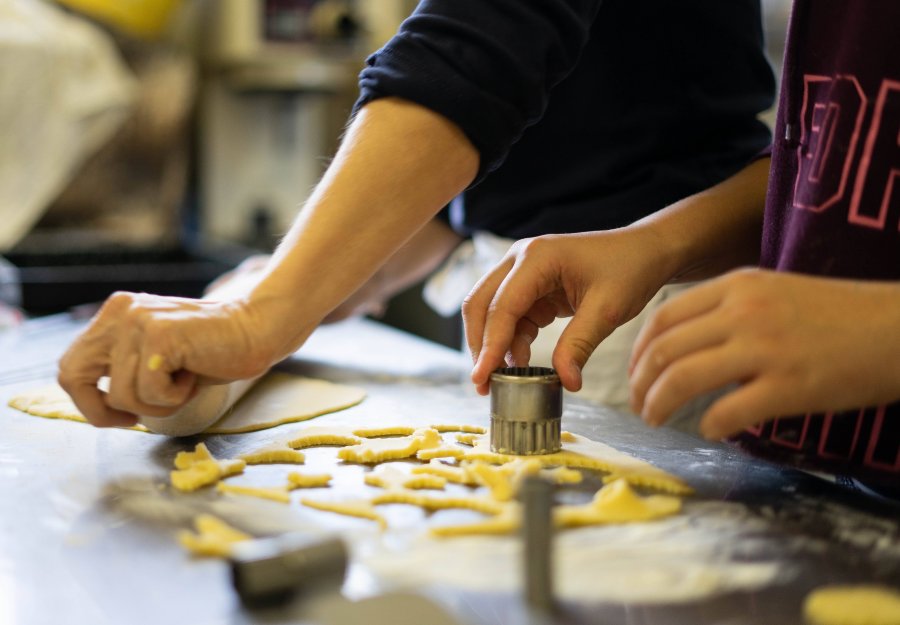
x: 63, y: 92
x: 606, y: 374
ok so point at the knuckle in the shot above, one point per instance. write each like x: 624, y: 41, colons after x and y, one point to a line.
x: 582, y: 347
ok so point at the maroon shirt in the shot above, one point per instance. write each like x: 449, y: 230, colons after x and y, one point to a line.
x: 833, y: 206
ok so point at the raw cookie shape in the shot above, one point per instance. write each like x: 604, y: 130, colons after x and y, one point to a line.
x: 276, y: 453
x: 199, y: 468
x: 466, y: 429
x: 214, y: 538
x: 372, y: 451
x: 853, y: 605
x: 307, y: 480
x: 322, y: 436
x: 361, y: 508
x: 391, y: 478
x: 617, y: 503
x: 583, y: 453
x: 455, y: 474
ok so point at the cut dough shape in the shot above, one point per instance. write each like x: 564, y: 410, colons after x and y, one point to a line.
x: 583, y: 453
x: 485, y: 505
x: 318, y: 436
x: 361, y: 508
x: 279, y: 453
x: 444, y: 451
x: 301, y: 480
x: 214, y: 537
x: 397, y: 430
x: 372, y: 451
x: 457, y: 475
x: 614, y: 503
x: 468, y: 429
x: 276, y: 399
x: 853, y: 605
x: 198, y: 468
x: 468, y: 439
x: 390, y: 478
x: 278, y: 493
x: 617, y: 503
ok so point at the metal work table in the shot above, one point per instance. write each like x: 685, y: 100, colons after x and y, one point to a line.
x: 86, y: 524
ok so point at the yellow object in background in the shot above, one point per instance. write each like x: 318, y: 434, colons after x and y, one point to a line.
x: 147, y: 19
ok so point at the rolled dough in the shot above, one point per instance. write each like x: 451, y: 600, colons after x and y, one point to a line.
x: 276, y: 399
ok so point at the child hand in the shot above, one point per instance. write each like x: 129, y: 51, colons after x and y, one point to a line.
x: 791, y: 344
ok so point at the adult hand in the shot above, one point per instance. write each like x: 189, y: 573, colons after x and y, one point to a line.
x: 154, y: 349
x: 791, y: 344
x: 602, y: 278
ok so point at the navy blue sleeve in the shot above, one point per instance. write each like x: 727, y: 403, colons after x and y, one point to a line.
x: 486, y: 65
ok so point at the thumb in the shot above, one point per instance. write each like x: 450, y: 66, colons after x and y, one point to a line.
x: 582, y: 335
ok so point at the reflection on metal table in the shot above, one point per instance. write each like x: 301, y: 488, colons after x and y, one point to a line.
x: 87, y: 525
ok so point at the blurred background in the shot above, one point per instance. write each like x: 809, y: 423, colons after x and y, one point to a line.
x: 151, y: 145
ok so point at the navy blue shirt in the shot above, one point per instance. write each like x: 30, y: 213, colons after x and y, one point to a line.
x: 587, y: 115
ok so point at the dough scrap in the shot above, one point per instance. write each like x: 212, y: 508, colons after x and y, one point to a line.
x: 309, y: 480
x: 372, y: 451
x: 276, y: 399
x: 277, y: 493
x: 279, y: 453
x: 853, y: 605
x: 199, y: 468
x: 214, y: 537
x: 485, y: 505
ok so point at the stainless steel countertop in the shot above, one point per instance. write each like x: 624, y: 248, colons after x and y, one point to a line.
x: 86, y: 529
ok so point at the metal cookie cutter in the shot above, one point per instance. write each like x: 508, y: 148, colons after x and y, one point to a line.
x: 526, y: 411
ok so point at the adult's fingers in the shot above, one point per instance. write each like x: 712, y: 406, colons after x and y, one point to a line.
x: 91, y: 402
x: 161, y: 382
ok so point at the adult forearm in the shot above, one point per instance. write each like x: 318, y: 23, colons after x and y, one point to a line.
x: 715, y: 230
x: 415, y: 260
x: 397, y: 166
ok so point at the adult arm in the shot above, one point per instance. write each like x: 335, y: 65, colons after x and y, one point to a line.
x: 381, y: 187
x: 605, y: 278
